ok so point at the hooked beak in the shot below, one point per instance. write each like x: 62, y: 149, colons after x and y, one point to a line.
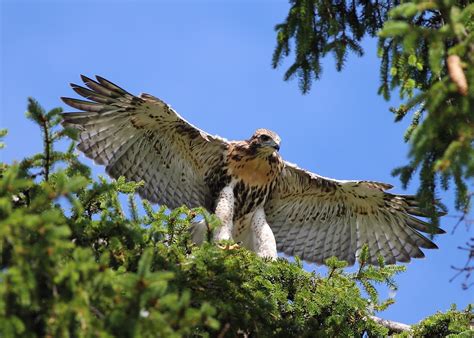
x: 269, y: 145
x: 272, y: 144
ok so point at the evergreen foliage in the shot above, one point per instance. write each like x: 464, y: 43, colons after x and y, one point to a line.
x: 75, y: 262
x: 320, y: 27
x: 453, y: 323
x: 427, y: 52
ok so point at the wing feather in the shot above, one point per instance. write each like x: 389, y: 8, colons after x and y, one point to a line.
x: 394, y: 247
x: 98, y: 88
x: 301, y: 238
x: 143, y: 138
x: 335, y: 248
x: 345, y: 238
x: 317, y: 217
x: 111, y: 86
x: 92, y: 95
x: 84, y: 105
x: 308, y: 250
x: 349, y: 255
x: 320, y: 240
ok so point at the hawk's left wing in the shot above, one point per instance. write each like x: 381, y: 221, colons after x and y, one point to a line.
x: 316, y: 217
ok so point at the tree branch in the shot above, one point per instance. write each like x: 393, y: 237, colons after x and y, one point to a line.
x: 392, y: 326
x: 47, y: 147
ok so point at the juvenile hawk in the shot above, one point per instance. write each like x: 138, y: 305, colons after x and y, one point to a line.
x: 263, y: 202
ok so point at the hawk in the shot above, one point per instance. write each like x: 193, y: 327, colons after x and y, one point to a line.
x: 263, y: 202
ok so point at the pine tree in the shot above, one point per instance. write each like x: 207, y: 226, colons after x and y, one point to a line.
x: 426, y: 49
x: 78, y: 259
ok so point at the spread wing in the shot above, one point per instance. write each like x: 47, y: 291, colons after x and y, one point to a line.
x: 316, y: 217
x: 143, y: 138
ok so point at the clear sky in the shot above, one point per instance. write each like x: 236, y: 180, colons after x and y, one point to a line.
x: 211, y: 60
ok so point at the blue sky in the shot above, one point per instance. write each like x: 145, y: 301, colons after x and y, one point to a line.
x: 211, y: 60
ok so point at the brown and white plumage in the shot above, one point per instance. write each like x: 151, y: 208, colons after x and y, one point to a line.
x: 316, y: 217
x: 258, y: 196
x: 143, y: 138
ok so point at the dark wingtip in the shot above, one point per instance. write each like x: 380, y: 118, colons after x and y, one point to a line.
x: 429, y: 245
x: 65, y: 99
x: 111, y: 86
x: 436, y: 230
x: 103, y: 80
x: 421, y: 254
x: 86, y: 79
x: 75, y: 86
x: 404, y: 259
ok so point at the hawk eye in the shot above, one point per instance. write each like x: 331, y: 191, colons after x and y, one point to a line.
x: 265, y: 137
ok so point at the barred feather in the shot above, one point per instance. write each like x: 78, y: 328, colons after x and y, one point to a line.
x: 142, y: 138
x: 316, y: 218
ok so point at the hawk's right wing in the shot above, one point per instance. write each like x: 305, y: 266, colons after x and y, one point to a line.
x: 143, y: 138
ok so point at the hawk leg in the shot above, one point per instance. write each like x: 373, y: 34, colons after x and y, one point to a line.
x: 263, y: 239
x: 225, y: 213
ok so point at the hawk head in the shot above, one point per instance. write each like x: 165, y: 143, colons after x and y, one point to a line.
x: 265, y: 141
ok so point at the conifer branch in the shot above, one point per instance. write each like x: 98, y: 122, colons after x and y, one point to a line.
x: 119, y: 274
x: 47, y: 146
x: 392, y: 326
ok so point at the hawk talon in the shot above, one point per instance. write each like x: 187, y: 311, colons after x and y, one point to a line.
x: 228, y: 246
